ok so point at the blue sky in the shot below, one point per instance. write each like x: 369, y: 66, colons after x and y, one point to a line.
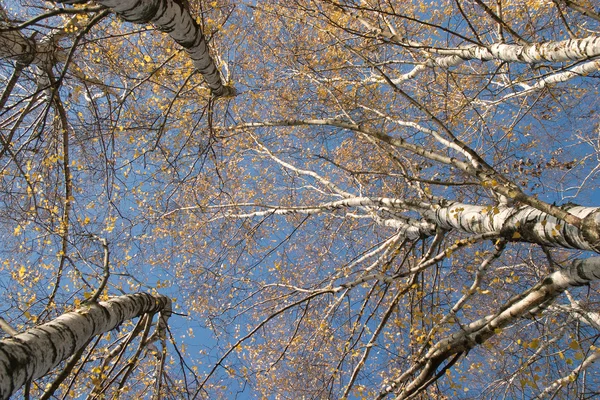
x: 125, y: 184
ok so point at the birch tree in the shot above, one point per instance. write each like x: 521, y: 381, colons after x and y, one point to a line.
x: 34, y: 353
x: 72, y: 78
x: 412, y: 233
x: 173, y: 18
x: 401, y: 201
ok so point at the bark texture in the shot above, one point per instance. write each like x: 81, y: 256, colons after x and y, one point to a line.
x: 523, y: 223
x: 558, y: 51
x: 32, y: 354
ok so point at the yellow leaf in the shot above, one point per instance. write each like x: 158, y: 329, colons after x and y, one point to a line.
x: 523, y: 382
x: 574, y: 345
x: 516, y: 235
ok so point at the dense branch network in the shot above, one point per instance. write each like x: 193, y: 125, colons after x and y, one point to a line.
x: 380, y: 210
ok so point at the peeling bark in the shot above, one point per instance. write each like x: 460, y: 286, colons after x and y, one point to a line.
x: 32, y: 354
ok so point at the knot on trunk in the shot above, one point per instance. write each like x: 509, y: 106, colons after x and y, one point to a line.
x: 590, y: 230
x: 224, y: 91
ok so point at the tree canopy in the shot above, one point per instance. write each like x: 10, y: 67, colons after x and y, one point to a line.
x: 342, y: 199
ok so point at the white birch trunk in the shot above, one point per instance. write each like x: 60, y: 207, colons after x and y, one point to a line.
x: 579, y: 273
x: 557, y: 51
x: 524, y: 224
x: 171, y: 17
x: 13, y: 44
x: 518, y: 224
x: 167, y: 16
x: 476, y: 333
x: 32, y: 354
x: 552, y: 51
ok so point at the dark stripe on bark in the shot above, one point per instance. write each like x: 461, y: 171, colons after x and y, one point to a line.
x: 12, y: 366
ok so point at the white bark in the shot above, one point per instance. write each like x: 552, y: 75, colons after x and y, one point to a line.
x: 13, y: 44
x: 34, y: 353
x: 409, y: 228
x: 553, y: 51
x: 576, y: 311
x: 327, y: 183
x: 559, y: 77
x: 579, y: 273
x: 171, y: 17
x: 167, y: 16
x: 520, y: 224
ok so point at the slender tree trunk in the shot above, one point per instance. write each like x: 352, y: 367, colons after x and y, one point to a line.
x: 166, y: 15
x: 476, y: 333
x: 31, y: 354
x: 519, y: 224
x: 173, y: 18
x: 559, y: 51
